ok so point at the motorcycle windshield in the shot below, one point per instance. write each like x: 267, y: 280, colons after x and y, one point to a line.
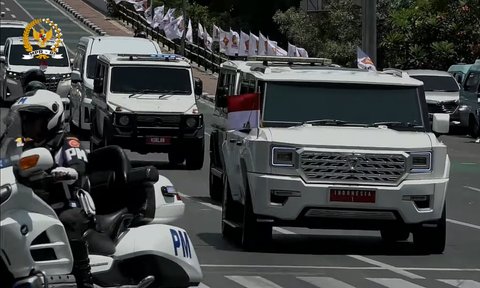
x: 11, y: 142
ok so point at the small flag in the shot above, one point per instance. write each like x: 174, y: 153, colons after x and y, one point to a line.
x: 364, y: 61
x: 243, y: 111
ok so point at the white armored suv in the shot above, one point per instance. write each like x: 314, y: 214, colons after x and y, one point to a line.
x: 335, y: 148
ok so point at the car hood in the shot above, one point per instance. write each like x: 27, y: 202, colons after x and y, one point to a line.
x: 348, y: 137
x: 152, y: 103
x: 436, y: 97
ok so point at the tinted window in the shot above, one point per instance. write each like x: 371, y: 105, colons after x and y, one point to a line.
x: 438, y: 83
x: 472, y: 82
x: 9, y: 32
x: 16, y: 53
x: 155, y: 78
x: 91, y: 63
x: 361, y: 104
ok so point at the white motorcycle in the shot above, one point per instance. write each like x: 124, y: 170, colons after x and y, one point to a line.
x: 132, y: 249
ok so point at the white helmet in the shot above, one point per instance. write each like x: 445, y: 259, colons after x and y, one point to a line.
x: 42, y: 115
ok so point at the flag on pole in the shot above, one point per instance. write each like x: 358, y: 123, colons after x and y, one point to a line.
x: 253, y: 45
x: 189, y: 35
x: 201, y: 31
x: 216, y: 33
x: 244, y: 44
x: 243, y: 111
x: 364, y: 61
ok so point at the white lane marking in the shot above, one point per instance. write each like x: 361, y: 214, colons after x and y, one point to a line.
x: 460, y: 283
x: 394, y: 283
x: 469, y: 163
x: 2, y: 3
x: 464, y: 224
x: 13, y: 16
x: 472, y: 188
x: 7, y: 9
x: 24, y: 10
x: 325, y: 282
x: 336, y: 267
x: 253, y: 281
x: 358, y: 257
x: 387, y: 267
x: 202, y: 286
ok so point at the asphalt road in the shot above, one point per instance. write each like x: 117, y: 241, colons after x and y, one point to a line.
x: 320, y: 258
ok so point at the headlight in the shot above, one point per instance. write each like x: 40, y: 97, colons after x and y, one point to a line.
x: 421, y: 162
x: 283, y: 156
x: 191, y: 122
x: 124, y: 120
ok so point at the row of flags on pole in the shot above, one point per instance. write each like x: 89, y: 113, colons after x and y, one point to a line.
x: 231, y: 43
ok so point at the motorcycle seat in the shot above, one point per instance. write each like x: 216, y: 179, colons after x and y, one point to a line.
x: 99, y: 243
x: 114, y: 223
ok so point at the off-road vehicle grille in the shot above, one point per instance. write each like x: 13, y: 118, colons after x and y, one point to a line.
x: 328, y: 167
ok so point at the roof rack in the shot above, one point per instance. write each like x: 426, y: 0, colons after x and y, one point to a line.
x: 153, y: 57
x: 394, y: 72
x: 290, y: 60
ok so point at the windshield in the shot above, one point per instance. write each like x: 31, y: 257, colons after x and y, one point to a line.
x: 9, y: 32
x: 10, y: 131
x: 91, y: 65
x: 157, y: 79
x: 16, y: 53
x: 438, y: 83
x: 295, y: 103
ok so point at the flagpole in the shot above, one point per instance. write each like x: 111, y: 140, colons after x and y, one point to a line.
x: 184, y: 34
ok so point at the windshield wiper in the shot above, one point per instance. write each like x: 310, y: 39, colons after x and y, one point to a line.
x: 168, y: 92
x: 144, y: 91
x: 394, y: 124
x: 333, y: 122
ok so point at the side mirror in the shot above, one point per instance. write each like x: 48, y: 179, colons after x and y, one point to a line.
x: 2, y: 59
x: 98, y: 85
x: 71, y: 61
x: 198, y: 87
x: 34, y: 161
x: 221, y: 97
x: 441, y: 123
x: 76, y: 77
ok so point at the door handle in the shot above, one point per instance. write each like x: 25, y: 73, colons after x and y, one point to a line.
x: 239, y: 143
x: 232, y: 140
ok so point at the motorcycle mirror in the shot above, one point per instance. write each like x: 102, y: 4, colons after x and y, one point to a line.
x: 34, y: 161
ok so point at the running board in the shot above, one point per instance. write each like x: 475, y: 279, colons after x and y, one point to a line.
x: 232, y: 224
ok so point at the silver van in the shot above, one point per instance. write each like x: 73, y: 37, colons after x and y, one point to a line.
x: 87, y: 51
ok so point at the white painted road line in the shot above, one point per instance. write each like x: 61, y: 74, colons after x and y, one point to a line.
x: 7, y: 9
x: 464, y: 224
x: 13, y: 16
x: 2, y: 3
x: 461, y: 283
x: 202, y: 286
x: 325, y: 282
x: 253, y: 281
x: 387, y: 267
x: 394, y: 283
x: 472, y: 188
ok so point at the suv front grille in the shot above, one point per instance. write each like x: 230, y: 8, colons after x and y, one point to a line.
x: 159, y: 121
x: 349, y: 168
x: 442, y: 107
x: 52, y: 84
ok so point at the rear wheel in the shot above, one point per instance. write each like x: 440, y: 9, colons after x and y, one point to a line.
x: 227, y: 211
x: 195, y: 155
x: 215, y: 184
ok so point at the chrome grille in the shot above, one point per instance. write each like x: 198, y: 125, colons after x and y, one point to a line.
x: 159, y: 121
x: 386, y: 169
x: 442, y: 107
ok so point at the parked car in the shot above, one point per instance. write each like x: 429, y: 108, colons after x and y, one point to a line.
x: 10, y: 28
x: 442, y: 93
x: 88, y: 49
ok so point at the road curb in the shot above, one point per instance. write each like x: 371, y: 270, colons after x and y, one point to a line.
x: 80, y: 17
x: 208, y: 98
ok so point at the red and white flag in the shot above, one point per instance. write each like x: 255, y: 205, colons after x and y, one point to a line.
x: 243, y: 111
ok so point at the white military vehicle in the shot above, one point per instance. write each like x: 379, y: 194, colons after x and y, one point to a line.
x: 88, y: 49
x: 336, y: 148
x: 147, y: 103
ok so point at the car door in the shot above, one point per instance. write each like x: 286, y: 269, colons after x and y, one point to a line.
x: 100, y: 100
x: 76, y: 90
x: 471, y: 88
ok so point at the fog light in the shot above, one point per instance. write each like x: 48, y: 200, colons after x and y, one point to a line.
x: 280, y: 197
x: 421, y: 201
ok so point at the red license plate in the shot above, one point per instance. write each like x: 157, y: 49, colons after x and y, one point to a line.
x: 158, y: 140
x: 352, y: 195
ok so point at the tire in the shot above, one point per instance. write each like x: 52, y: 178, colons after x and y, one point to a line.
x: 394, y: 235
x: 255, y: 236
x: 175, y: 157
x: 195, y: 156
x: 228, y: 232
x: 432, y: 240
x: 215, y: 185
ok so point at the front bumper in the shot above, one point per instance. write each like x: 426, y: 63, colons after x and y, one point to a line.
x: 311, y: 207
